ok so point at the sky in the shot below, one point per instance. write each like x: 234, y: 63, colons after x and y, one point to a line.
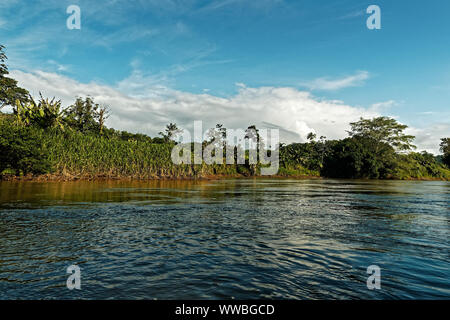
x: 301, y: 66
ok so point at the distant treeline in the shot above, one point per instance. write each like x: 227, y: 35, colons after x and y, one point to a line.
x: 41, y: 138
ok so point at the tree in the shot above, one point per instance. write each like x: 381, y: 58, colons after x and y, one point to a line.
x: 83, y: 115
x: 382, y: 130
x: 101, y: 115
x: 371, y: 150
x: 9, y: 91
x: 445, y: 149
x: 171, y: 132
x: 217, y: 135
x: 252, y: 134
x: 44, y: 114
x: 354, y: 158
x: 22, y: 149
x: 311, y: 136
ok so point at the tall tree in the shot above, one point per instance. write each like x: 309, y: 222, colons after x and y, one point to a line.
x: 101, y: 115
x: 82, y: 115
x: 355, y: 158
x: 217, y: 135
x: 445, y: 149
x: 252, y: 133
x: 9, y: 91
x: 311, y: 136
x: 171, y: 132
x: 371, y: 150
x: 382, y: 130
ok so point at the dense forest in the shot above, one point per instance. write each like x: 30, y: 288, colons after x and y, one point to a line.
x: 41, y: 139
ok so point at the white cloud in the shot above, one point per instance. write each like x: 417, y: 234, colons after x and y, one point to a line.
x: 352, y: 15
x: 428, y: 139
x: 125, y: 35
x: 296, y: 112
x: 381, y: 106
x: 220, y: 4
x: 328, y: 84
x: 59, y: 67
x: 427, y: 113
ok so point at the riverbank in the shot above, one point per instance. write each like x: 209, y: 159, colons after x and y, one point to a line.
x: 31, y: 153
x: 66, y: 178
x: 95, y: 178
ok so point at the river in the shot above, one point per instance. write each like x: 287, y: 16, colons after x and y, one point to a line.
x: 225, y: 239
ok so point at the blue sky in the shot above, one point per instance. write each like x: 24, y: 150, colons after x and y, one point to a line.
x: 168, y: 49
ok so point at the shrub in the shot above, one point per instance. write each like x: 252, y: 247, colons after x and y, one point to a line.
x: 21, y: 150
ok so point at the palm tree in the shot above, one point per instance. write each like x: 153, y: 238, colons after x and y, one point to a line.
x: 171, y: 132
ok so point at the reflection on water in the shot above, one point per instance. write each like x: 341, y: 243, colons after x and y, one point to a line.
x: 290, y: 239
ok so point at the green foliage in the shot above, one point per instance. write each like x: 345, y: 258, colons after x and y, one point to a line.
x: 158, y: 140
x: 419, y: 166
x: 127, y: 136
x: 370, y: 152
x: 84, y: 155
x: 297, y: 171
x: 445, y: 149
x: 216, y: 135
x: 116, y: 154
x: 22, y: 150
x: 354, y: 158
x: 308, y: 155
x: 86, y: 116
x: 3, y: 58
x: 295, y: 154
x: 45, y: 114
x: 9, y: 91
x: 382, y: 130
x: 171, y: 132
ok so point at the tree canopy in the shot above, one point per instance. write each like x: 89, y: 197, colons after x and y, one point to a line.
x: 370, y: 151
x: 171, y: 132
x: 86, y: 115
x: 9, y: 91
x: 445, y: 149
x: 383, y: 130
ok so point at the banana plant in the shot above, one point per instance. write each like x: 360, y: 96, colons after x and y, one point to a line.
x: 45, y: 114
x: 50, y: 113
x: 24, y: 113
